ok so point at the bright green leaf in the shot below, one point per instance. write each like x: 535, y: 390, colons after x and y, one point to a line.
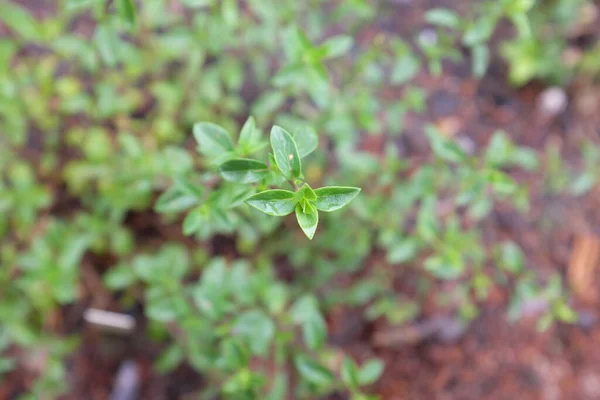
x: 308, y: 219
x: 273, y: 202
x: 331, y: 198
x: 286, y: 153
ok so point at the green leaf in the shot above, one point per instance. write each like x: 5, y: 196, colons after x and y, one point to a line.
x: 108, y: 44
x: 307, y: 193
x: 286, y: 153
x: 306, y: 141
x: 126, y: 10
x: 250, y: 134
x: 443, y: 17
x: 243, y: 170
x: 405, y: 68
x: 212, y: 139
x: 119, y: 277
x: 19, y: 20
x: 257, y: 328
x: 305, y: 312
x: 501, y: 182
x: 193, y: 221
x: 331, y: 198
x: 480, y: 60
x: 444, y: 148
x: 370, y: 371
x: 336, y: 46
x: 312, y: 371
x: 511, y: 257
x: 308, y: 218
x: 169, y: 359
x: 314, y: 331
x: 273, y: 202
x: 349, y: 373
x: 178, y: 198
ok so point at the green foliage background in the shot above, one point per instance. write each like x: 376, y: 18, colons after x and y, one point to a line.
x: 99, y: 110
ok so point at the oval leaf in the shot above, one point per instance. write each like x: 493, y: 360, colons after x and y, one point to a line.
x: 333, y: 198
x: 285, y: 152
x: 312, y: 371
x: 308, y: 219
x: 306, y: 141
x: 370, y: 371
x: 273, y: 202
x: 212, y: 139
x: 243, y: 170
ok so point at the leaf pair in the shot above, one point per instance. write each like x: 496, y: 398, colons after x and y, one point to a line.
x: 306, y: 203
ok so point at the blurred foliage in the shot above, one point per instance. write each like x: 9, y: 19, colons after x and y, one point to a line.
x: 100, y: 104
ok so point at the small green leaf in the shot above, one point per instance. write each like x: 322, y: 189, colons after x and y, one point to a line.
x: 306, y: 141
x: 250, y: 134
x: 212, y: 139
x: 308, y: 218
x: 349, y: 373
x: 370, y: 371
x: 119, y: 277
x: 169, y: 359
x: 444, y: 148
x: 243, y: 170
x: 312, y: 371
x: 126, y: 10
x: 273, y: 202
x: 286, y: 153
x: 331, y: 198
x: 443, y: 17
x: 336, y: 46
x: 480, y: 60
x: 307, y: 193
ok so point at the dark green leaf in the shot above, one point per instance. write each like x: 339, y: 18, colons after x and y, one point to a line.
x: 308, y: 219
x: 273, y: 202
x: 243, y: 170
x: 212, y: 139
x: 370, y: 371
x: 331, y: 198
x: 286, y: 153
x: 312, y: 371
